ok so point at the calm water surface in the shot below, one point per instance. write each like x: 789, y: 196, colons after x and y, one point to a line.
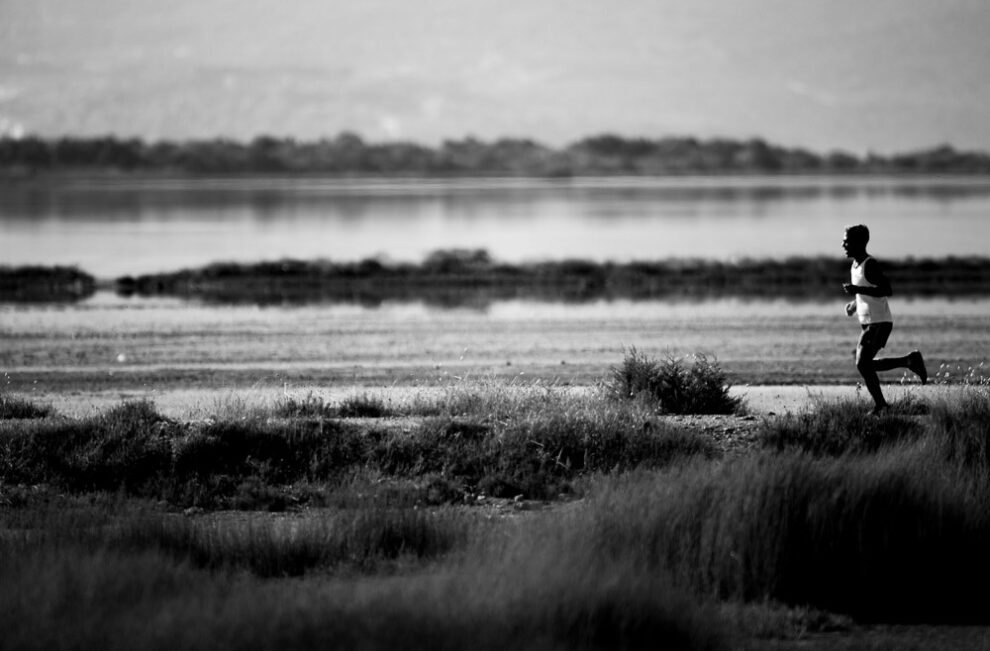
x: 130, y: 226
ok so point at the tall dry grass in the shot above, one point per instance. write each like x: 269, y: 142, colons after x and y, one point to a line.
x: 88, y: 581
x: 894, y: 532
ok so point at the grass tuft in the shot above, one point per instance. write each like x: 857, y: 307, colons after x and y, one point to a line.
x: 843, y: 427
x: 314, y: 406
x: 672, y: 385
x: 15, y: 407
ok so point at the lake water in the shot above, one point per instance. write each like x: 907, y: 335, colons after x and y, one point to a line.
x: 113, y: 227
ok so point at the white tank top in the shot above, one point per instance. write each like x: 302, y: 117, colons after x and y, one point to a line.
x: 869, y: 309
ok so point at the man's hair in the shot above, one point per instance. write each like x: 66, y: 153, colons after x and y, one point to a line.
x: 858, y: 233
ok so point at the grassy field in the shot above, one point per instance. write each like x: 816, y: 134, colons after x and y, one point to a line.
x: 500, y: 514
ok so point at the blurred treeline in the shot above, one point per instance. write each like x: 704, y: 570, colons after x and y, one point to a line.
x: 349, y: 154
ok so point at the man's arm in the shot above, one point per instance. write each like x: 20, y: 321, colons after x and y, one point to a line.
x: 875, y: 275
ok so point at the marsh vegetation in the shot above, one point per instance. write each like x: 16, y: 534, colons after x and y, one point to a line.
x: 494, y: 515
x: 471, y: 277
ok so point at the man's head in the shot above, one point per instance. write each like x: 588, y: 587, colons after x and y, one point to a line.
x: 854, y: 243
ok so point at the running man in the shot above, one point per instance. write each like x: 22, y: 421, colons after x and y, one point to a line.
x: 871, y: 288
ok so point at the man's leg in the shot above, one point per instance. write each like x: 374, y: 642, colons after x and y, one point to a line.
x: 890, y: 363
x: 866, y: 366
x: 913, y: 361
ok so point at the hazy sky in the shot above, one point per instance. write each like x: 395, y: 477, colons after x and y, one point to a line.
x: 882, y: 75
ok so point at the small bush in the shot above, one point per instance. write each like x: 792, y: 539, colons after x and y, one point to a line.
x: 638, y: 374
x: 673, y: 386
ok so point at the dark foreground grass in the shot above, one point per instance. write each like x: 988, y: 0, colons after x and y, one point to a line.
x: 964, y: 426
x: 895, y: 531
x: 331, y: 541
x: 889, y: 539
x: 88, y: 581
x: 142, y: 601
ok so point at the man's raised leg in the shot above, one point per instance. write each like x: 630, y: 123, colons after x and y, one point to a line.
x: 913, y: 361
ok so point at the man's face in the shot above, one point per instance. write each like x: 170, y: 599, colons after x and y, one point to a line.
x: 851, y: 246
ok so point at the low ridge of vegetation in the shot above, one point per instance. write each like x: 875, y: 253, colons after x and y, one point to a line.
x: 533, y: 443
x: 472, y: 277
x: 458, y: 277
x: 33, y: 284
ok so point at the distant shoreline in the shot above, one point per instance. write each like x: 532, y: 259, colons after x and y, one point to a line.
x: 471, y: 277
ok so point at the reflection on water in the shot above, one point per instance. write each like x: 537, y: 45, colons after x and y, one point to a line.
x: 132, y: 226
